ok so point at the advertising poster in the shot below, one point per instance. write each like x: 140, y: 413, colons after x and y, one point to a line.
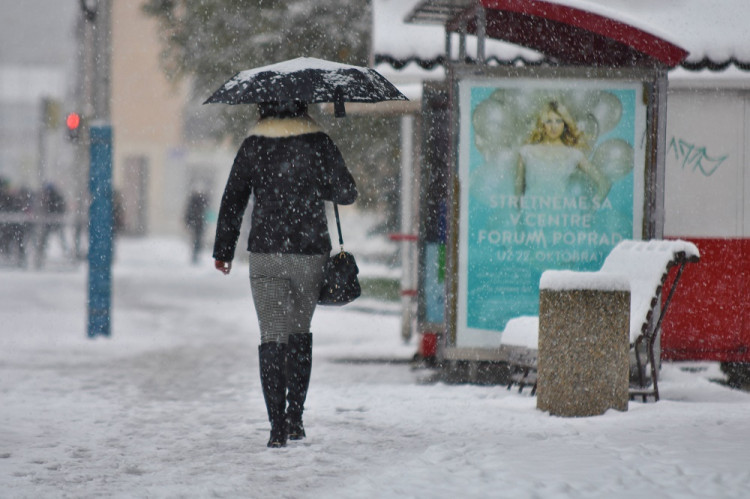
x: 551, y: 175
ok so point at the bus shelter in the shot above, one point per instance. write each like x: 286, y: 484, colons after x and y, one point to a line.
x: 501, y: 201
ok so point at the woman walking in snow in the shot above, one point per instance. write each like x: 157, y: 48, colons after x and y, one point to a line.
x: 291, y: 167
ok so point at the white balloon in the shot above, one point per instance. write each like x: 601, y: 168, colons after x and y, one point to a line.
x: 590, y: 128
x: 579, y: 185
x: 614, y: 158
x: 607, y: 111
x: 525, y: 105
x: 580, y: 102
x: 494, y: 126
x: 512, y: 98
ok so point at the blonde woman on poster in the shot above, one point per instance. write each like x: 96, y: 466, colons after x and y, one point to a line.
x: 552, y: 154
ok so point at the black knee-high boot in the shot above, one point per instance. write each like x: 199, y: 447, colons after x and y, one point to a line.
x: 273, y: 378
x: 298, y: 368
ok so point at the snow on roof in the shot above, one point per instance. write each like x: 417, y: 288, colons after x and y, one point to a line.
x: 707, y: 30
x: 391, y: 36
x: 714, y: 33
x: 31, y: 83
x: 731, y: 77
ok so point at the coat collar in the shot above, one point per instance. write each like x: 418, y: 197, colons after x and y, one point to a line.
x: 284, y: 127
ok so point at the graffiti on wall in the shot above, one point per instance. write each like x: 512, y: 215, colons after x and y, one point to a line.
x: 694, y: 157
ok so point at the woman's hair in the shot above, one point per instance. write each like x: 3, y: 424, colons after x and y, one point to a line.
x: 282, y: 109
x: 571, y: 136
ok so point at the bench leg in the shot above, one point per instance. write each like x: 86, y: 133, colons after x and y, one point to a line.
x: 654, y: 369
x: 641, y: 368
x: 652, y: 337
x: 639, y: 364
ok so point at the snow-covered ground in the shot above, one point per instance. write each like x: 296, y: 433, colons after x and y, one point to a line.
x: 171, y: 406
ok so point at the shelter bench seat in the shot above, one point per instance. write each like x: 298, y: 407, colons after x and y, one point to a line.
x: 520, y: 340
x: 646, y: 265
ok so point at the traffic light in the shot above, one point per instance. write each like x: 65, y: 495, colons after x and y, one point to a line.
x: 73, y: 124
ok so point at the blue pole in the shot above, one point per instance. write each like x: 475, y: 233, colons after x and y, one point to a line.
x: 100, y: 231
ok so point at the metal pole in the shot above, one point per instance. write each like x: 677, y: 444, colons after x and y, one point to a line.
x: 97, y: 14
x: 100, y: 232
x: 85, y: 108
x: 462, y: 43
x: 448, y: 46
x: 408, y: 256
x: 102, y: 60
x: 660, y: 87
x: 42, y: 144
x: 481, y: 34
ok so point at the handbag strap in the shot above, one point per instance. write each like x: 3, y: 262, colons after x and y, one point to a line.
x: 338, y: 225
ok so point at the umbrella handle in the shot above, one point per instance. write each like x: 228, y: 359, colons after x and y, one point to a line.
x: 338, y: 103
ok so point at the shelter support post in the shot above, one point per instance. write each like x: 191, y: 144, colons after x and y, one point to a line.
x: 481, y: 34
x: 462, y: 41
x: 660, y: 147
x: 408, y: 246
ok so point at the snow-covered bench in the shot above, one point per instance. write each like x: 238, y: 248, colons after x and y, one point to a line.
x: 521, y: 340
x: 646, y: 265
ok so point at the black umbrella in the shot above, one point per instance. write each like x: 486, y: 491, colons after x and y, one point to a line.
x: 307, y: 79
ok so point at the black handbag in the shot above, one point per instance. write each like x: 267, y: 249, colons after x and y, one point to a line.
x: 340, y: 281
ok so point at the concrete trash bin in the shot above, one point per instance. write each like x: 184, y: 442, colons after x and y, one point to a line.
x: 584, y: 343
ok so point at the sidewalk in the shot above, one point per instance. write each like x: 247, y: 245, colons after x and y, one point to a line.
x: 170, y: 406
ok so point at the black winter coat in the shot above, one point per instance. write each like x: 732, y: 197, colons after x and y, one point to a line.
x: 291, y: 167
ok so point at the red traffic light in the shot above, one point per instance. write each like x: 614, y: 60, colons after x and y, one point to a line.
x: 73, y: 121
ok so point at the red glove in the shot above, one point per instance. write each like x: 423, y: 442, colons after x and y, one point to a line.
x: 223, y: 267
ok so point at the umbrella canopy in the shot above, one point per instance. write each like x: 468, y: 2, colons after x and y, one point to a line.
x: 307, y: 79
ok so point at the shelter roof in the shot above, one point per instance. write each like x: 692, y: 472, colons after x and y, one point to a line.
x: 708, y: 31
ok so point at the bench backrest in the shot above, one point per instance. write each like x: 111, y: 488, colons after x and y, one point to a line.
x: 647, y: 264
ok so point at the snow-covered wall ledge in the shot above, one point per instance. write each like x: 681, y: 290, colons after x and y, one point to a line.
x: 568, y: 280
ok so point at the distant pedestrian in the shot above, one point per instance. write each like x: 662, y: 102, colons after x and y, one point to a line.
x: 6, y: 226
x: 51, y: 210
x: 291, y: 167
x: 118, y: 213
x: 24, y: 205
x: 195, y: 221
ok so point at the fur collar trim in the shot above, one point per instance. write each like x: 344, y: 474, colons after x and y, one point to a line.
x: 285, y: 127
